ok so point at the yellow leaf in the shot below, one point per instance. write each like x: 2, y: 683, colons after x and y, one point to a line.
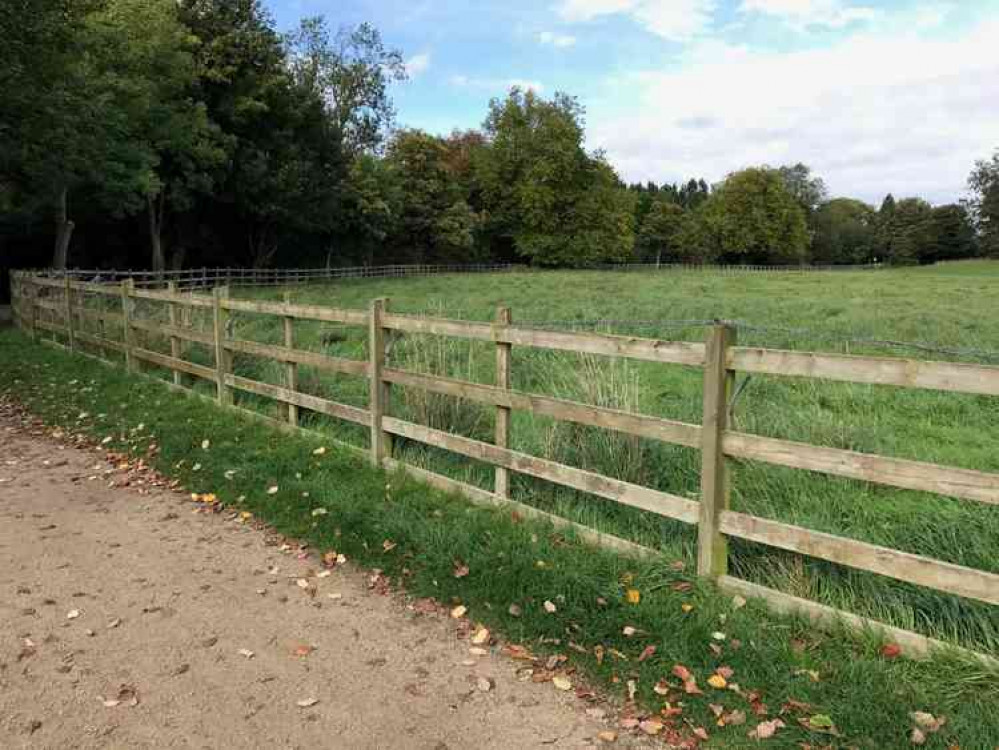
x: 562, y: 683
x: 687, y: 607
x: 717, y: 681
x: 633, y: 596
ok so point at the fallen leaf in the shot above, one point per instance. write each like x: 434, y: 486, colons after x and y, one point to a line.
x: 458, y: 612
x: 246, y: 652
x: 607, y: 735
x: 72, y: 614
x: 562, y: 683
x: 891, y: 651
x: 628, y: 631
x: 302, y: 651
x: 633, y: 596
x: 307, y: 702
x: 651, y: 726
x: 319, y: 512
x: 205, y: 445
x: 515, y: 610
x: 319, y: 451
x: 388, y: 545
x: 481, y: 636
x: 766, y: 729
x: 646, y: 653
x: 485, y: 684
x: 918, y: 737
x: 687, y: 608
x: 550, y: 607
x: 460, y: 569
x: 272, y: 490
x: 718, y: 682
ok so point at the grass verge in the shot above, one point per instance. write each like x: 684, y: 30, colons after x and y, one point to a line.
x: 783, y: 668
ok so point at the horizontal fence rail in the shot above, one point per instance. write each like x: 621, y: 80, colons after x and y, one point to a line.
x: 61, y: 311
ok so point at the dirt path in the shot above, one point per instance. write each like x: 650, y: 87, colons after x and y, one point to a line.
x: 105, y: 591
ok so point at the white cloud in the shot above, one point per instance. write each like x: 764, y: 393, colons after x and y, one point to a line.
x: 676, y: 20
x: 417, y: 64
x: 496, y: 84
x: 556, y: 40
x: 802, y: 14
x: 871, y: 114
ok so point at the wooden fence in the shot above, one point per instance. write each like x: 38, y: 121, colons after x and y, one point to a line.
x: 208, y: 278
x: 52, y: 306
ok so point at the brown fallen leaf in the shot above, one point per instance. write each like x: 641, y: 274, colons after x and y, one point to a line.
x: 607, y: 736
x: 480, y: 636
x: 891, y: 651
x: 460, y: 569
x: 458, y: 612
x: 766, y: 729
x: 562, y: 683
x: 302, y: 650
x: 646, y: 653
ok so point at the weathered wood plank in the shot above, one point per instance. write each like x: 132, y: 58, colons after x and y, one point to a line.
x: 219, y: 335
x: 712, y: 548
x: 290, y: 368
x: 99, y: 341
x: 304, y: 312
x: 312, y: 359
x: 304, y: 400
x: 902, y: 566
x: 208, y: 373
x: 668, y: 431
x: 914, y: 645
x: 663, y: 503
x: 127, y: 288
x: 501, y: 480
x: 378, y: 398
x: 99, y: 316
x: 178, y: 332
x: 678, y: 352
x: 188, y: 300
x: 896, y: 472
x: 907, y: 373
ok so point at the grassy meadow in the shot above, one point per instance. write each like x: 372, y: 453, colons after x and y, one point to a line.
x: 952, y: 307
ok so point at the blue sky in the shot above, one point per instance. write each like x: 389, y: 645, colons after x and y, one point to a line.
x: 898, y: 95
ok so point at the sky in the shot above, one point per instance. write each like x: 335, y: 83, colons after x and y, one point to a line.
x: 881, y: 96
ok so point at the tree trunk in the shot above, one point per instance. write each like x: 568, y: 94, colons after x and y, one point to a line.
x: 64, y: 231
x: 154, y: 209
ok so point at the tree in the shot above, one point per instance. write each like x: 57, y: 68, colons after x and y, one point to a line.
x: 845, y: 231
x: 886, y: 230
x: 753, y: 218
x: 913, y: 231
x: 984, y: 204
x: 350, y: 71
x: 435, y: 221
x: 63, y: 119
x: 543, y: 195
x: 372, y: 206
x: 952, y: 235
x: 808, y: 191
x: 658, y: 232
x: 284, y: 165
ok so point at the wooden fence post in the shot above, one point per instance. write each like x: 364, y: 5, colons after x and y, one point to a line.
x: 32, y: 295
x: 290, y: 368
x: 502, y: 480
x: 712, y: 547
x: 174, y: 340
x: 68, y: 291
x: 381, y: 441
x: 126, y: 322
x: 221, y: 359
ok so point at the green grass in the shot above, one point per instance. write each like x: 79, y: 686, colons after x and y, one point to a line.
x: 953, y: 306
x: 868, y: 697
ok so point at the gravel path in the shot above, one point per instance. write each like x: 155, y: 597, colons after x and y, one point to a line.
x: 129, y: 621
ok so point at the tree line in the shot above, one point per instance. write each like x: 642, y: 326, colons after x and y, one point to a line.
x: 173, y: 133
